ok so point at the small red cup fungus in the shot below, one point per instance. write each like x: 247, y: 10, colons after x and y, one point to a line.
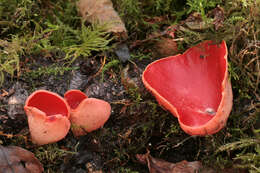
x: 48, y: 117
x: 194, y: 87
x: 87, y: 114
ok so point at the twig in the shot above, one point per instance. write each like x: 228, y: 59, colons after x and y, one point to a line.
x: 101, y: 68
x: 184, y: 140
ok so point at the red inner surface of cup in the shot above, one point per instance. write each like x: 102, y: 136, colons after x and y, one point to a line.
x: 48, y: 103
x: 74, y: 98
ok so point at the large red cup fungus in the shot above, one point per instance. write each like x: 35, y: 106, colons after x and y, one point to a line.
x: 87, y: 114
x: 194, y: 87
x: 48, y: 117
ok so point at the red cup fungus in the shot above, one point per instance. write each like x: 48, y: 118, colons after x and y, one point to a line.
x: 48, y: 117
x: 194, y: 87
x: 87, y: 114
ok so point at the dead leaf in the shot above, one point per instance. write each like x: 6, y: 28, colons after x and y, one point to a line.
x: 161, y: 166
x: 18, y: 160
x: 219, y: 17
x: 101, y: 12
x: 91, y: 168
x: 166, y: 47
x: 128, y: 81
x: 195, y: 22
x: 5, y: 93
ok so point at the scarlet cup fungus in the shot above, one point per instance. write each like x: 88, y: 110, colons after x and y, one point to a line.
x: 87, y: 114
x: 194, y: 87
x: 48, y: 117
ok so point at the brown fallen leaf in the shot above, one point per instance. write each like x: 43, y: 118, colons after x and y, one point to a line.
x: 166, y: 47
x: 161, y: 166
x: 91, y: 168
x: 195, y: 22
x: 101, y: 12
x: 18, y: 160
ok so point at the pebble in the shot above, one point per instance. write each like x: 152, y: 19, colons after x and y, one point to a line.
x: 16, y: 101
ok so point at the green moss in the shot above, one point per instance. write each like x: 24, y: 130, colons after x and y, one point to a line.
x: 248, y: 156
x: 90, y: 39
x: 144, y: 17
x: 51, y: 156
x: 9, y: 57
x: 201, y: 6
x: 46, y: 71
x: 126, y: 170
x: 110, y: 64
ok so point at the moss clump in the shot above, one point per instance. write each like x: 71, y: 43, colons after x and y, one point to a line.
x: 33, y: 28
x: 51, y: 153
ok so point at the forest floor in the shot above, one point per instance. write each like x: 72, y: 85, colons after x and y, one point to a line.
x: 46, y: 45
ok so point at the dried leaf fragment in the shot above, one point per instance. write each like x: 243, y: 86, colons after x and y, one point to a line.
x: 160, y: 166
x: 18, y: 160
x: 102, y: 12
x: 219, y: 17
x: 195, y: 22
x: 166, y: 47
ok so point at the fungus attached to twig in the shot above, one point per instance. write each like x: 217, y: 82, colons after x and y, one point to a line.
x: 194, y: 87
x: 87, y: 114
x: 48, y: 117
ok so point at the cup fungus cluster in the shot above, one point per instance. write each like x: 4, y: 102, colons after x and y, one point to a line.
x: 194, y: 87
x: 50, y: 116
